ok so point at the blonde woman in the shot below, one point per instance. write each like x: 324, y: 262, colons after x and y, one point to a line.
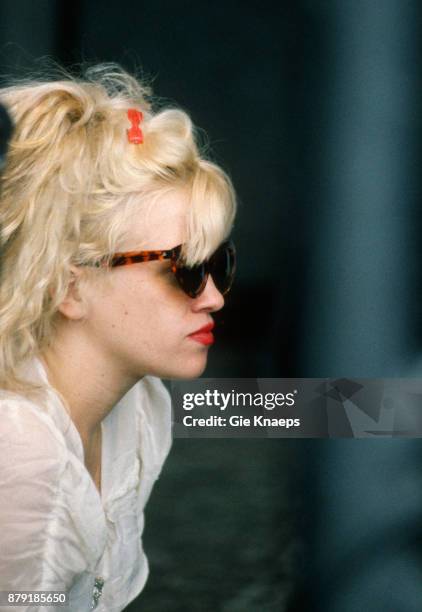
x: 114, y: 259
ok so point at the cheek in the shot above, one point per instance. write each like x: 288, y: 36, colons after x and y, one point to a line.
x: 147, y: 316
x: 147, y: 331
x: 145, y: 324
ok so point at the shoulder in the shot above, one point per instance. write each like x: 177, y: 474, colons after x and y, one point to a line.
x: 32, y: 457
x: 31, y: 468
x: 27, y: 428
x: 42, y: 494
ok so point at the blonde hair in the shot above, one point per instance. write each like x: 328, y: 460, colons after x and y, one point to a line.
x: 70, y: 181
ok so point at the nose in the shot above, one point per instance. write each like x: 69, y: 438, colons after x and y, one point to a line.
x: 210, y: 300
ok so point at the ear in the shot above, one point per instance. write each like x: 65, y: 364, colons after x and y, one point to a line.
x: 73, y: 306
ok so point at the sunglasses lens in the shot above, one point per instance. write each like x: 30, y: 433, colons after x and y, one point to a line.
x: 222, y: 266
x: 192, y: 280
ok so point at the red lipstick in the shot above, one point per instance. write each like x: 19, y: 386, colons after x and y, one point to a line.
x: 204, y: 335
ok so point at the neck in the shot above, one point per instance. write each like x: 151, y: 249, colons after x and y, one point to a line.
x: 90, y: 381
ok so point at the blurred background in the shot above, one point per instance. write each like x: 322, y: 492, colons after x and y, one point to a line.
x: 313, y: 108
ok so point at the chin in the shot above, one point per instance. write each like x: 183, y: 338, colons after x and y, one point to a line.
x: 187, y: 370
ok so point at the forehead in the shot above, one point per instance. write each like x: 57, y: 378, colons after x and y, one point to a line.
x: 159, y: 223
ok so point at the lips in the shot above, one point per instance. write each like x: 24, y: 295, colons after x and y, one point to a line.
x: 204, y: 335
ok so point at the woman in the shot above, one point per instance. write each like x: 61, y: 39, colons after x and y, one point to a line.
x: 108, y: 213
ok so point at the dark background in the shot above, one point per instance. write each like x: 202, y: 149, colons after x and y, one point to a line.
x: 313, y: 108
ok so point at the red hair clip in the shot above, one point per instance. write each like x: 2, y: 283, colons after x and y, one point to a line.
x: 134, y: 134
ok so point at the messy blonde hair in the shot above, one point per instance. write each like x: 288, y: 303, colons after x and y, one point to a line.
x: 70, y: 182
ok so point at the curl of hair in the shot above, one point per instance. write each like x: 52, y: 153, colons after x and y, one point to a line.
x: 70, y: 182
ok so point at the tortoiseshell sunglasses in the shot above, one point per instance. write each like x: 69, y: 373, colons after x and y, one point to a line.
x: 221, y: 265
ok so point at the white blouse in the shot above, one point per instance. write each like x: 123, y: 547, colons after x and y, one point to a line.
x: 56, y: 532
